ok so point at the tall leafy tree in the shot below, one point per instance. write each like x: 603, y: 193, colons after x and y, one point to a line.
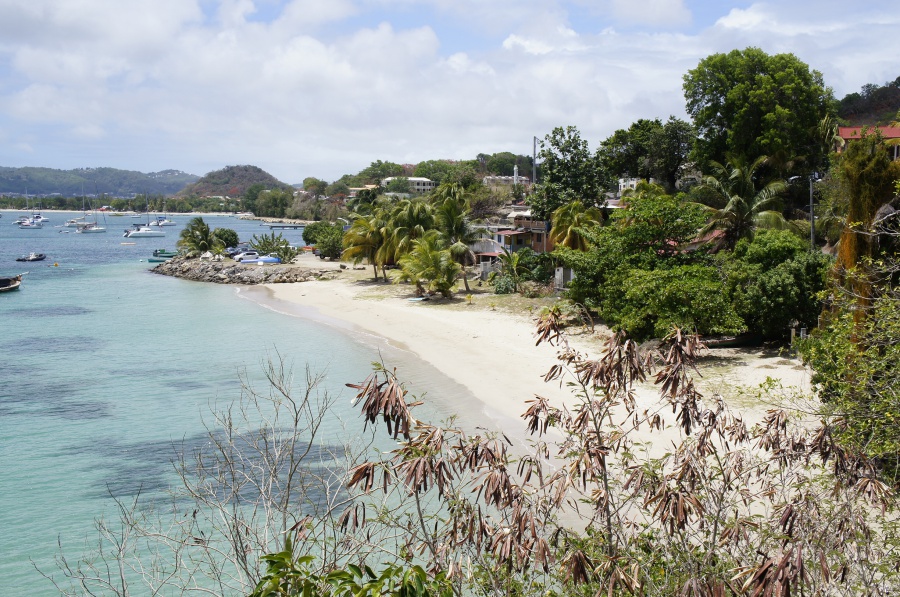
x: 747, y: 103
x: 314, y: 186
x: 568, y: 172
x: 378, y: 171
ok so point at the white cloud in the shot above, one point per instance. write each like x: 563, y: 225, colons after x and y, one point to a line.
x: 324, y: 88
x: 652, y: 12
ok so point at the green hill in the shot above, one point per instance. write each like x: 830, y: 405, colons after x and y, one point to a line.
x: 232, y: 181
x: 873, y: 105
x: 109, y: 181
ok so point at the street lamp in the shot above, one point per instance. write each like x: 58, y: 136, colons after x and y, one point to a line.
x: 812, y: 218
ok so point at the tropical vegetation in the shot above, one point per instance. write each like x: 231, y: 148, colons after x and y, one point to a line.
x: 197, y: 238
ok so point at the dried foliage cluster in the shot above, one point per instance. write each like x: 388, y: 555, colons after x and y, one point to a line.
x: 778, y: 509
x: 611, y: 496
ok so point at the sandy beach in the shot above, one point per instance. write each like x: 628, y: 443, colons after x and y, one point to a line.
x: 491, y: 351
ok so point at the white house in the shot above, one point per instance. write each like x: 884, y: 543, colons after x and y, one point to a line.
x: 416, y: 183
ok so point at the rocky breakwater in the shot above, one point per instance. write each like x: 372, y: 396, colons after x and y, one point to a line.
x: 229, y: 272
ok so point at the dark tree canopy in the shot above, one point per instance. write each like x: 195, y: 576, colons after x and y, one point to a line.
x: 568, y: 172
x: 648, y: 149
x: 378, y: 171
x: 748, y: 104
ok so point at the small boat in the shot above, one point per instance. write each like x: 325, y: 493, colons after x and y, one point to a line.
x: 31, y: 224
x: 74, y: 222
x: 32, y: 257
x: 143, y: 232
x: 263, y: 259
x: 165, y: 253
x: 10, y: 283
x: 89, y: 227
x: 162, y: 221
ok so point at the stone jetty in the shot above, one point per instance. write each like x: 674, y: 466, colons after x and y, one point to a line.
x: 230, y: 272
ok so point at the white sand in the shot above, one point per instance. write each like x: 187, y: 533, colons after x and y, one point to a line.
x: 493, y: 354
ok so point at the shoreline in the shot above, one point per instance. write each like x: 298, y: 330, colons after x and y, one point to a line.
x: 492, y: 354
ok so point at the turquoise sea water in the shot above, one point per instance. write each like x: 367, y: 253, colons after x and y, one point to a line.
x: 104, y: 365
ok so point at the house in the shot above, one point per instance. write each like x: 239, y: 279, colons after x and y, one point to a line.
x: 497, y: 181
x: 632, y: 183
x: 890, y: 134
x: 416, y: 183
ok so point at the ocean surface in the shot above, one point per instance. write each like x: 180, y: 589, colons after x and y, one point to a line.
x: 105, y: 366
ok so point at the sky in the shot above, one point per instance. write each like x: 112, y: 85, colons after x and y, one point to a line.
x: 325, y: 87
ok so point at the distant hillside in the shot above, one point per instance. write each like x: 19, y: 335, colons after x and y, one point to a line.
x: 93, y: 181
x: 232, y: 181
x: 873, y: 105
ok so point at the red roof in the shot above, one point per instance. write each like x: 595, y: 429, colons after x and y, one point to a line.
x: 848, y: 133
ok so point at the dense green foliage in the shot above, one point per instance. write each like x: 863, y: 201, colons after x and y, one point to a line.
x: 642, y: 273
x: 749, y: 201
x: 873, y: 104
x: 746, y: 104
x: 569, y: 172
x: 648, y: 149
x: 774, y: 283
x: 273, y: 244
x: 399, y: 184
x: 94, y: 181
x: 329, y: 242
x: 855, y: 357
x: 232, y: 181
x: 228, y: 237
x: 197, y: 238
x: 313, y: 231
x: 429, y: 265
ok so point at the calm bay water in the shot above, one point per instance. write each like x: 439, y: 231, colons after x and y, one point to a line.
x: 104, y: 365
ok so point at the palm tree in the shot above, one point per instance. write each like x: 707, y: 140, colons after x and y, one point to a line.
x: 409, y: 220
x: 746, y: 206
x: 511, y: 266
x: 364, y: 241
x: 451, y: 218
x: 429, y: 266
x: 197, y: 238
x: 570, y: 221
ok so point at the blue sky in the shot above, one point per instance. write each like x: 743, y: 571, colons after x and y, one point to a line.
x: 323, y: 87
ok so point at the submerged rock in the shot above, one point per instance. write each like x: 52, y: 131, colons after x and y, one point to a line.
x: 229, y: 272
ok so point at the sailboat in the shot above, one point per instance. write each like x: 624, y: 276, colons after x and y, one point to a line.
x: 88, y: 226
x: 144, y: 230
x: 36, y: 221
x: 162, y: 220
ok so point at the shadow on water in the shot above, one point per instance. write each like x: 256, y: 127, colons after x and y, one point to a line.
x: 54, y: 311
x: 53, y: 345
x: 149, y: 468
x: 38, y: 395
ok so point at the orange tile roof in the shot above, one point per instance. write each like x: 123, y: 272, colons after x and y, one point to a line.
x: 848, y: 133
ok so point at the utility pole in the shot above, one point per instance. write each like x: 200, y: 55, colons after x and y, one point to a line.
x: 534, y: 160
x: 812, y: 218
